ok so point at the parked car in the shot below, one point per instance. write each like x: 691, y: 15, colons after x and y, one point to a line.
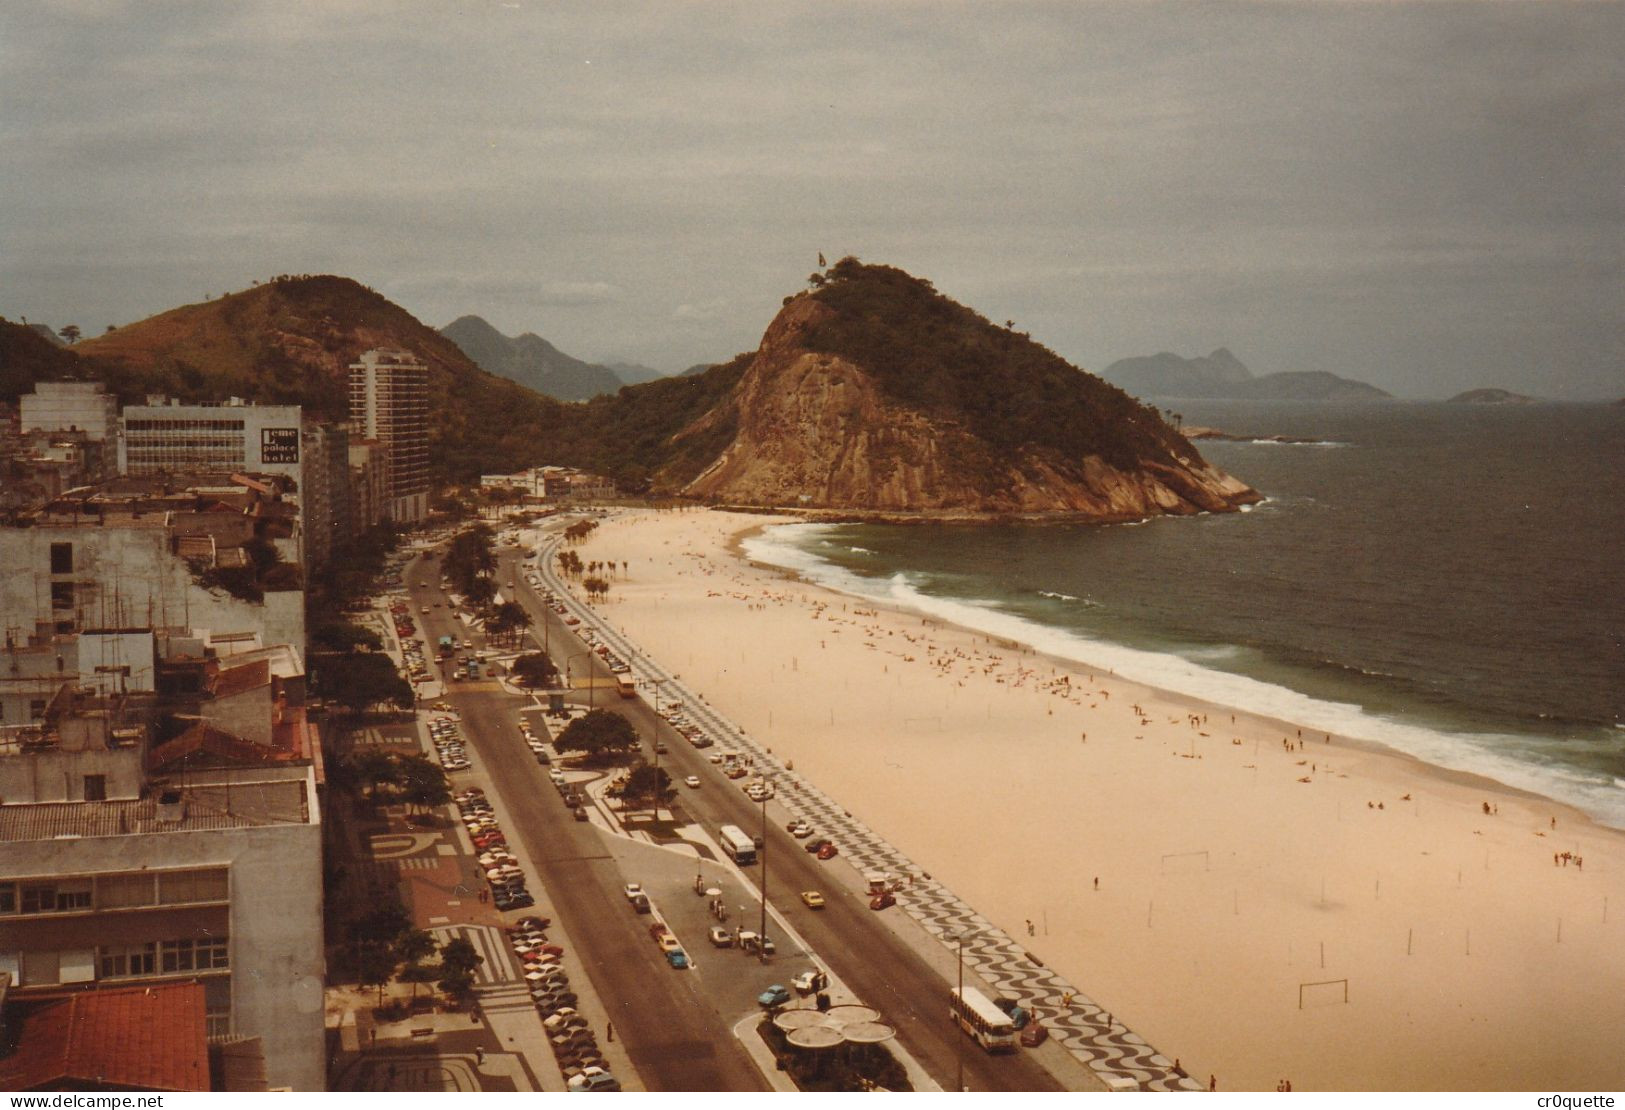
x: 799, y: 829
x: 776, y: 995
x: 721, y: 937
x: 593, y: 1079
x: 810, y: 980
x: 883, y: 901
x: 817, y: 845
x: 828, y: 851
x: 1034, y: 1035
x: 677, y: 958
x: 668, y: 943
x: 1018, y: 1017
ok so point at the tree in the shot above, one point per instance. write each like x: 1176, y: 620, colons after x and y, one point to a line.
x: 458, y: 959
x: 412, y: 948
x: 601, y: 735
x: 423, y: 783
x: 375, y: 967
x: 641, y: 783
x: 375, y: 768
x: 535, y: 670
x: 375, y: 936
x: 509, y: 620
x: 343, y: 636
x: 596, y: 588
x: 70, y: 333
x: 362, y: 680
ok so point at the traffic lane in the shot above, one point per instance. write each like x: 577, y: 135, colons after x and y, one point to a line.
x: 849, y: 938
x: 674, y: 1039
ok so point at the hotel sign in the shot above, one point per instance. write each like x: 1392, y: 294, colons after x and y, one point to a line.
x: 279, y: 445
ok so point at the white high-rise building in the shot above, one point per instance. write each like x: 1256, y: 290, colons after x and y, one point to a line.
x: 389, y: 402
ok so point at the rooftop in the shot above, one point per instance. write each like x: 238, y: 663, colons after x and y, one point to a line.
x: 242, y: 805
x: 147, y: 1038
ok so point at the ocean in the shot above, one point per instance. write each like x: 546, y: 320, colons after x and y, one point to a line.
x: 1446, y: 580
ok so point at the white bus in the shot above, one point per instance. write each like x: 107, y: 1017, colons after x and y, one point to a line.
x: 734, y: 841
x: 978, y: 1017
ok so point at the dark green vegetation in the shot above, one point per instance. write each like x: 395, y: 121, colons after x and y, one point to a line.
x: 639, y: 786
x: 949, y: 361
x: 291, y: 340
x: 535, y: 670
x: 603, y: 736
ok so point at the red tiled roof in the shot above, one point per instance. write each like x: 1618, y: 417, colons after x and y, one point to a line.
x: 204, y: 737
x: 152, y: 1038
x: 235, y: 680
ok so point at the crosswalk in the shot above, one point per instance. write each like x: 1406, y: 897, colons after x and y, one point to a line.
x: 497, y: 966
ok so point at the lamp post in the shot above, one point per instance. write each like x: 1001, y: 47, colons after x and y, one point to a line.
x: 657, y: 684
x: 591, y: 684
x: 959, y: 1039
x: 761, y: 948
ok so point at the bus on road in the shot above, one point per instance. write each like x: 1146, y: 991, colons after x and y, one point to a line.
x: 979, y: 1018
x: 734, y: 841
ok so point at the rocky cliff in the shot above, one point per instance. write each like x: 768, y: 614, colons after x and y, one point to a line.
x: 875, y: 394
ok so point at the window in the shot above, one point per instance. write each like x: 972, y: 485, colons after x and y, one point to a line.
x: 73, y: 895
x: 36, y: 708
x: 118, y: 892
x: 95, y: 788
x: 176, y: 887
x: 125, y: 960
x: 38, y: 897
x: 192, y: 955
x: 62, y: 595
x: 8, y: 897
x: 62, y: 558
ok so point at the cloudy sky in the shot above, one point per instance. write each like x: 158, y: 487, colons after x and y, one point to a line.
x: 1428, y: 197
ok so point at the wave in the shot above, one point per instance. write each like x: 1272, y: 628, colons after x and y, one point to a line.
x: 1290, y: 442
x: 1056, y: 596
x: 1485, y: 754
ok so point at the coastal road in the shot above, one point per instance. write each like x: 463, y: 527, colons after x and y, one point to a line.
x: 849, y: 938
x: 674, y: 1038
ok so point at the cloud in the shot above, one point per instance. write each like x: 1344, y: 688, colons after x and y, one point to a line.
x: 1118, y: 177
x: 700, y: 313
x: 577, y: 293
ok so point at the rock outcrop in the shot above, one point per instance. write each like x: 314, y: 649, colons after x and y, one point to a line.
x: 818, y: 424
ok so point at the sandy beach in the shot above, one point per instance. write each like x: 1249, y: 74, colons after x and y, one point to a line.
x: 1188, y: 866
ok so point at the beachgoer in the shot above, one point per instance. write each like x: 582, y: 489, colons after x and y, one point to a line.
x: 1030, y: 930
x: 1097, y: 882
x: 1213, y: 1083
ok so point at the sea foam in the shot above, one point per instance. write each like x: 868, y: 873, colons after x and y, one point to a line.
x: 1477, y: 753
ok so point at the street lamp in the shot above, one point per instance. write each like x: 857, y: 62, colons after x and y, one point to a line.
x: 592, y: 685
x: 761, y: 948
x: 959, y: 1039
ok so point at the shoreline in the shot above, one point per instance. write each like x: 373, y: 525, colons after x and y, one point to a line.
x: 1230, y: 870
x: 1464, y: 776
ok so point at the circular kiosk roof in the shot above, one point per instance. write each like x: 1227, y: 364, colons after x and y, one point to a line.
x: 851, y: 1014
x: 790, y: 1020
x: 814, y: 1036
x: 868, y: 1032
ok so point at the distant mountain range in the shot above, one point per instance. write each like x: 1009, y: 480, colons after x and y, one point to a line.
x: 536, y: 364
x: 1221, y: 375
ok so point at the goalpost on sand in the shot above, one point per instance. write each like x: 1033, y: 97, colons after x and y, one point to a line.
x: 1332, y: 983
x: 1181, y: 856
